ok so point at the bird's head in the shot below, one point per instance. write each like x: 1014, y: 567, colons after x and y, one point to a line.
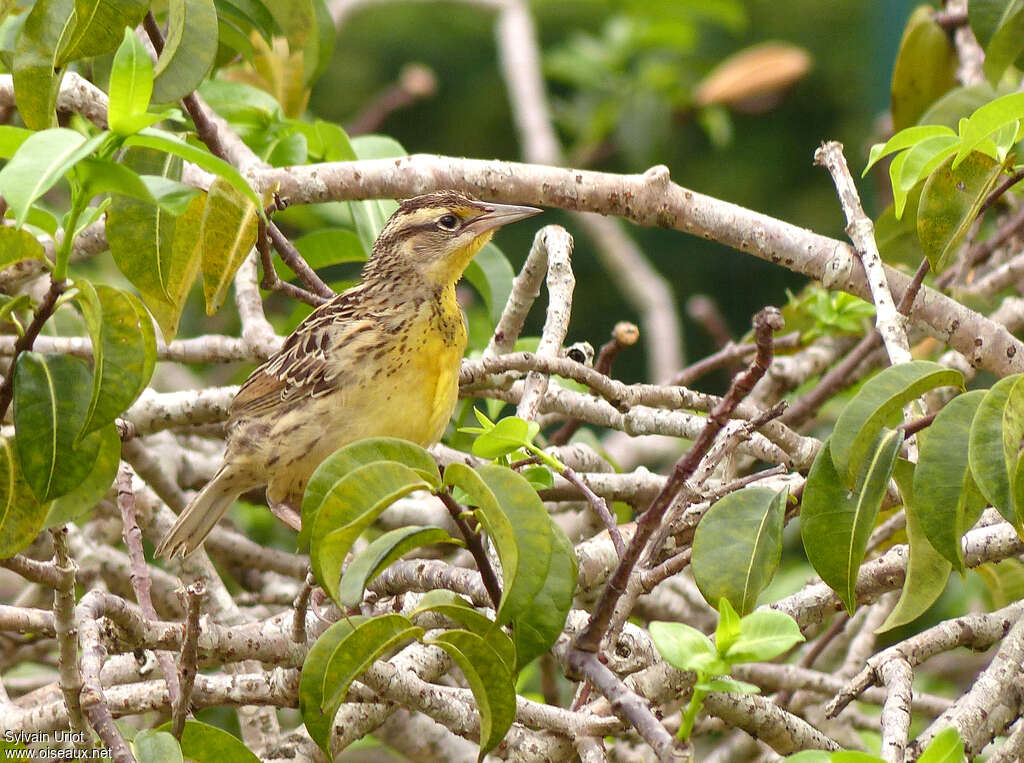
x: 437, y: 235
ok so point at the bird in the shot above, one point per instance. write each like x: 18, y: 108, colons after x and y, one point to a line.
x: 380, y: 359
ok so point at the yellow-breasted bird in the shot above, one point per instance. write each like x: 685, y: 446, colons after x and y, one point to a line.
x: 379, y: 360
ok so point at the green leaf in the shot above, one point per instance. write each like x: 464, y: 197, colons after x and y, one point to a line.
x: 925, y: 67
x: 189, y: 49
x: 376, y: 557
x: 489, y: 679
x: 809, y: 756
x: 34, y: 66
x: 927, y: 570
x: 17, y: 245
x: 950, y: 202
x: 172, y: 144
x: 123, y: 350
x: 98, y: 176
x: 686, y: 648
x: 359, y: 649
x: 1006, y: 44
x: 172, y: 196
x: 946, y: 747
x: 51, y: 400
x: 947, y: 502
x: 879, y: 403
x: 728, y: 629
x: 506, y: 436
x: 764, y: 635
x: 11, y: 138
x: 81, y: 500
x: 984, y: 16
x: 349, y: 507
x: 916, y: 163
x: 835, y: 523
x: 518, y: 525
x: 323, y: 248
x: 318, y: 719
x: 227, y: 234
x: 131, y: 85
x: 39, y: 163
x: 538, y: 628
x: 491, y: 275
x: 456, y: 608
x: 99, y: 25
x: 986, y: 120
x: 152, y: 746
x: 903, y: 140
x: 344, y: 460
x: 203, y: 743
x: 21, y: 515
x: 987, y: 453
x: 737, y: 546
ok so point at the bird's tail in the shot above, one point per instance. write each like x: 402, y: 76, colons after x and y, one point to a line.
x: 199, y: 517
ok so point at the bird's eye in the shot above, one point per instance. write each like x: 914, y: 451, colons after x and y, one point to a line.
x: 448, y: 222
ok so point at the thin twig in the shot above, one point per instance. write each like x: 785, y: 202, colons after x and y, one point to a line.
x: 475, y: 547
x: 25, y: 341
x: 188, y: 663
x: 600, y: 507
x: 299, y: 609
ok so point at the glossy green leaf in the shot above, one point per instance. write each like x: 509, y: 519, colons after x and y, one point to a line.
x: 51, y: 401
x: 990, y: 459
x: 728, y: 629
x: 917, y: 163
x: 323, y: 248
x: 39, y: 163
x: 686, y: 648
x: 359, y: 649
x: 737, y: 546
x: 344, y: 460
x: 227, y: 234
x: 349, y: 507
x: 456, y: 608
x: 506, y: 436
x: 986, y: 120
x: 491, y: 275
x: 172, y: 144
x: 34, y: 67
x: 203, y: 743
x: 903, y: 140
x: 21, y: 515
x: 538, y: 628
x: 764, y: 635
x: 172, y: 196
x: 99, y: 25
x: 123, y: 350
x: 925, y: 67
x: 835, y: 523
x: 946, y: 500
x: 517, y: 523
x: 927, y: 569
x: 318, y: 719
x: 98, y: 176
x: 950, y: 202
x: 11, y: 138
x: 946, y: 747
x: 17, y: 245
x: 373, y: 560
x: 879, y: 403
x: 1006, y: 44
x: 489, y: 679
x: 189, y: 49
x: 984, y: 16
x: 131, y: 85
x: 153, y: 746
x: 81, y: 500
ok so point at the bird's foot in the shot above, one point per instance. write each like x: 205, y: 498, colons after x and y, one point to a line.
x: 286, y: 514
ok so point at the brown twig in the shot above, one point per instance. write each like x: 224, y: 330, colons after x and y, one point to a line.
x: 600, y: 507
x: 65, y: 624
x: 270, y: 279
x: 475, y: 547
x: 24, y: 343
x: 291, y: 257
x: 300, y: 607
x: 188, y: 663
x: 140, y: 579
x: 727, y: 356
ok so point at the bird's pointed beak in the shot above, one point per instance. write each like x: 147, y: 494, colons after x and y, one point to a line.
x: 498, y: 215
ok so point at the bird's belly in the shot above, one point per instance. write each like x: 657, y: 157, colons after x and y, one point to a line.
x: 413, y: 400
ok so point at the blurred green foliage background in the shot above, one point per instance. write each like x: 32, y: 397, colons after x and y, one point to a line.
x: 621, y: 78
